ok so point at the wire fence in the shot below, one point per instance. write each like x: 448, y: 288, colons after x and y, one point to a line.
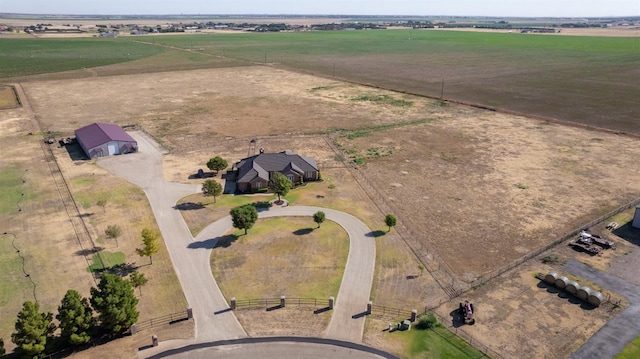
x: 495, y: 273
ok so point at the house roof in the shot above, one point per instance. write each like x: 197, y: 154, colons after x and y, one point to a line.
x: 262, y: 164
x: 98, y: 134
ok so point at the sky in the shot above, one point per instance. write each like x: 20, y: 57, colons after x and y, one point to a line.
x: 507, y: 8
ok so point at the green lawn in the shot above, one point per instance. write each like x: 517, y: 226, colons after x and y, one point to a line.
x: 12, y: 190
x: 435, y: 343
x: 36, y: 56
x: 631, y: 351
x: 106, y: 259
x: 281, y: 256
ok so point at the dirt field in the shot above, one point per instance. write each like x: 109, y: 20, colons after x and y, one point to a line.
x: 481, y: 188
x: 7, y: 98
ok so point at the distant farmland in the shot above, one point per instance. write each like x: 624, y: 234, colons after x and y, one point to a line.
x: 590, y: 80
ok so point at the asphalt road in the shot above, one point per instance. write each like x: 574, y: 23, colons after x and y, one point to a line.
x: 213, y: 322
x: 619, y: 331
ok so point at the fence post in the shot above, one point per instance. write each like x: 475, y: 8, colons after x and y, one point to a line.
x: 154, y: 340
x: 282, y: 301
x: 133, y: 329
x: 189, y: 313
x: 414, y: 315
x: 369, y: 305
x: 233, y: 303
x: 331, y: 302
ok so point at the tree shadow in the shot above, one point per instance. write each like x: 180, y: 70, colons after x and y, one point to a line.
x: 628, y: 233
x: 188, y: 206
x: 89, y: 251
x: 217, y: 242
x: 85, y: 215
x: 122, y: 270
x: 375, y: 234
x: 302, y: 231
x: 202, y: 174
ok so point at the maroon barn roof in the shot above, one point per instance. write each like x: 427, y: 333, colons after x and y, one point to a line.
x: 98, y: 134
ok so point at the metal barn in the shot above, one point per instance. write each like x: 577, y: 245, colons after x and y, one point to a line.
x: 105, y: 139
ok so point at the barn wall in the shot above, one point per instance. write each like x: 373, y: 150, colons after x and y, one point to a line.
x: 636, y: 219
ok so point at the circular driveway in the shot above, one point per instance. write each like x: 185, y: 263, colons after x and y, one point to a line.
x: 190, y: 257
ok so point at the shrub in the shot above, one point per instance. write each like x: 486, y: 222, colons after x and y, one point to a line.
x: 428, y: 321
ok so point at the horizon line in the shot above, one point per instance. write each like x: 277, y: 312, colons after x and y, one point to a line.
x: 317, y: 15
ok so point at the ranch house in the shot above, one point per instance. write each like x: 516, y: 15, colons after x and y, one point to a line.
x: 254, y: 172
x: 105, y: 139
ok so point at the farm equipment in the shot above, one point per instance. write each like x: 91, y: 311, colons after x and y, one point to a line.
x: 594, y: 238
x: 466, y: 310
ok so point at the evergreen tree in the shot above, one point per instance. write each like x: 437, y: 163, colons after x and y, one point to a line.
x: 2, y: 350
x: 115, y: 303
x: 33, y: 329
x: 75, y: 317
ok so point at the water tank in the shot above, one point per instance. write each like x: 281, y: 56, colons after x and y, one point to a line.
x: 583, y: 293
x: 595, y: 298
x: 561, y: 282
x: 572, y: 287
x: 551, y: 278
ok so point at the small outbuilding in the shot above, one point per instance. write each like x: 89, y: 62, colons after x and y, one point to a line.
x: 105, y: 139
x: 636, y: 219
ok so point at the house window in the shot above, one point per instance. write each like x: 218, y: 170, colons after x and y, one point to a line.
x: 258, y: 185
x: 290, y: 177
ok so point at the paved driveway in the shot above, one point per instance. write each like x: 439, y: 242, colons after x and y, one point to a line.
x: 191, y: 262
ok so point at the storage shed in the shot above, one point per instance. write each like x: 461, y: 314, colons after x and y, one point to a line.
x: 636, y: 219
x: 105, y: 139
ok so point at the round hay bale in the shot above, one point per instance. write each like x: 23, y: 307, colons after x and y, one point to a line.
x: 561, y: 282
x: 572, y: 287
x: 596, y: 298
x: 583, y: 293
x: 551, y: 278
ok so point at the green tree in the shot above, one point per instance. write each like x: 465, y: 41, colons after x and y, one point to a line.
x: 115, y: 303
x: 217, y: 163
x: 211, y: 188
x: 2, y: 350
x: 75, y: 317
x: 319, y: 217
x: 390, y: 220
x: 150, y: 244
x: 280, y: 185
x: 113, y: 231
x: 138, y: 280
x: 33, y: 329
x: 244, y: 217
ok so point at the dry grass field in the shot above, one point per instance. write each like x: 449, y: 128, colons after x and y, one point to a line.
x: 481, y: 188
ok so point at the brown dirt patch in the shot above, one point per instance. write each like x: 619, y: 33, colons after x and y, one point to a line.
x: 8, y: 98
x: 483, y: 189
x: 288, y: 321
